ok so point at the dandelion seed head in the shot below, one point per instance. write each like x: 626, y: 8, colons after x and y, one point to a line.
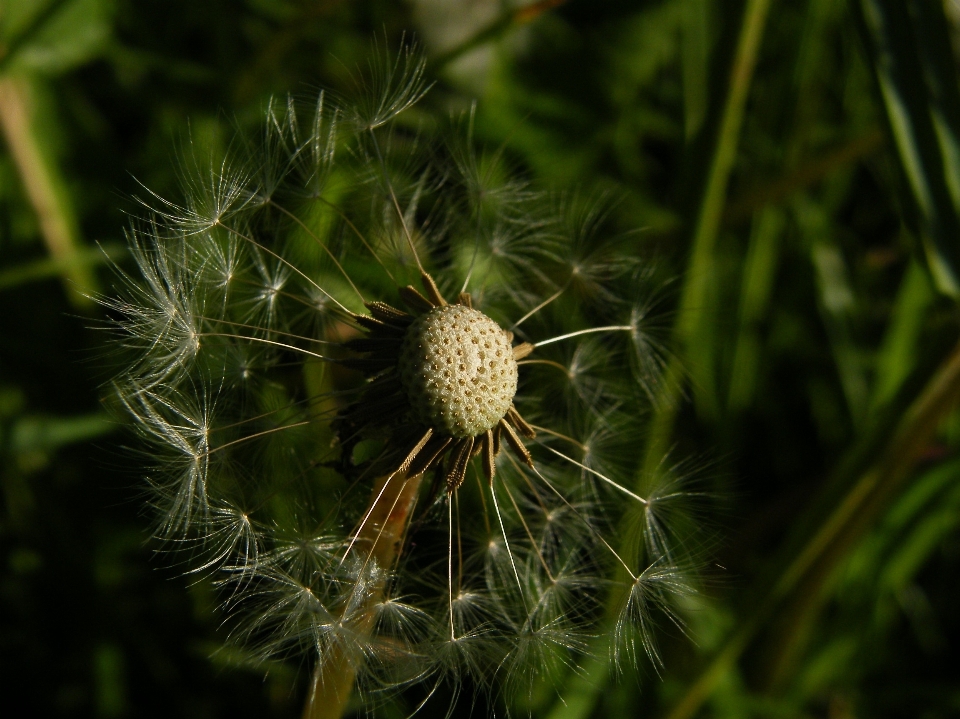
x: 409, y: 486
x: 458, y: 369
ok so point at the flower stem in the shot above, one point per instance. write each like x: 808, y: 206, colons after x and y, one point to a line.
x: 45, y: 188
x: 379, y: 540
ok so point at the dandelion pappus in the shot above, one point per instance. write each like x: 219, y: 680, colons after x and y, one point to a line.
x: 298, y: 486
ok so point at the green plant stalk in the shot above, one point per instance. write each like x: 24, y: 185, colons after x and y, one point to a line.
x: 690, y: 331
x: 762, y: 258
x: 836, y: 303
x: 898, y: 353
x: 380, y: 539
x: 45, y: 189
x: 584, y: 689
x: 853, y: 516
x: 759, y: 269
x: 910, y: 56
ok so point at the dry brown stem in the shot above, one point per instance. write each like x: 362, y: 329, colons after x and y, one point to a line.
x: 379, y: 540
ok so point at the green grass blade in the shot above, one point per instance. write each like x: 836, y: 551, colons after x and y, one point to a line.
x: 837, y: 302
x: 940, y: 72
x: 918, y: 86
x: 690, y: 325
x: 898, y: 352
x: 758, y: 274
x: 832, y: 539
x: 693, y: 330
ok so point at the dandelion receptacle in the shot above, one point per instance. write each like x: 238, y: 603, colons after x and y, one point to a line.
x: 390, y: 397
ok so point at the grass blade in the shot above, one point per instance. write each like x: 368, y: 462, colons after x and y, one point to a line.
x: 837, y: 534
x: 899, y: 351
x: 692, y: 331
x: 906, y: 44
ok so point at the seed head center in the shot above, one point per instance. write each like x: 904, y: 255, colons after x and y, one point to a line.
x: 457, y: 367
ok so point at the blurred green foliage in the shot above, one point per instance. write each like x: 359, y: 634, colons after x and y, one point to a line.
x: 793, y: 167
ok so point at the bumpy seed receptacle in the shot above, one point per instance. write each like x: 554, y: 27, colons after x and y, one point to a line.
x: 458, y: 370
